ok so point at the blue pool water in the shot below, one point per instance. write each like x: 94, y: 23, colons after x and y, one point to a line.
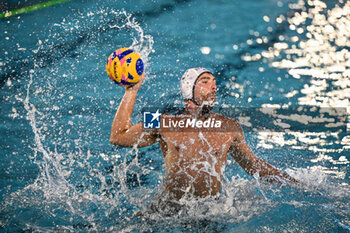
x: 58, y: 171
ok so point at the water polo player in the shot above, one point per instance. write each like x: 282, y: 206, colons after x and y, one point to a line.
x: 194, y: 160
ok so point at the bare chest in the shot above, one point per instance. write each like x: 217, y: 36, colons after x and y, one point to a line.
x: 198, y: 145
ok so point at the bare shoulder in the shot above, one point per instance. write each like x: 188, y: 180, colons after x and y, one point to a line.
x: 230, y: 125
x: 233, y: 123
x: 167, y: 115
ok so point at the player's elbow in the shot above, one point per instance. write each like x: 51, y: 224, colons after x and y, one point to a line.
x: 121, y: 140
x: 116, y: 140
x: 112, y: 141
x: 117, y: 137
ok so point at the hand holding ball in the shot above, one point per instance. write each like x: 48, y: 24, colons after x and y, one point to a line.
x: 124, y: 67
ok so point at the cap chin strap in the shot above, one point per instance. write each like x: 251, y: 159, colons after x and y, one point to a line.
x: 205, y: 110
x: 195, y: 102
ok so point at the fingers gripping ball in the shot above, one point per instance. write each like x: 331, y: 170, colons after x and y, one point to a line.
x: 124, y: 67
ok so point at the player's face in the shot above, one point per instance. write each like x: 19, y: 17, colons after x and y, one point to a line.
x: 205, y: 89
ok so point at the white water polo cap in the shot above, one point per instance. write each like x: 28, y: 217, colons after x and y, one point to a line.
x: 188, y: 81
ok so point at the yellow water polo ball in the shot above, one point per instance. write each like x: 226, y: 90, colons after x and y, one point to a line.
x: 124, y: 67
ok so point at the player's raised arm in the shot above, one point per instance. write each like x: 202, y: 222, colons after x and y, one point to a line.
x: 122, y: 132
x: 253, y: 165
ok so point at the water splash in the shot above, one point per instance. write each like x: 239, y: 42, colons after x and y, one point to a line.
x: 143, y: 44
x: 81, y: 185
x: 74, y: 186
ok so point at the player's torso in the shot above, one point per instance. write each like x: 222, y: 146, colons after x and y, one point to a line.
x: 196, y: 160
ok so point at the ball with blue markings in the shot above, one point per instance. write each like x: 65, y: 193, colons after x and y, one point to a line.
x: 124, y: 67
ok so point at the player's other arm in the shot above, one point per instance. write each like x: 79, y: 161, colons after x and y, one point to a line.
x: 253, y: 165
x: 122, y: 132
